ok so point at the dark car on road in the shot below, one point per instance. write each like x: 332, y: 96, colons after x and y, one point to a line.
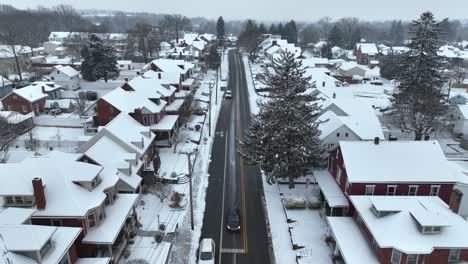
x: 233, y: 220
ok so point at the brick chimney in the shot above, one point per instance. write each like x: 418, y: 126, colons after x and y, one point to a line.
x: 39, y: 194
x: 376, y: 140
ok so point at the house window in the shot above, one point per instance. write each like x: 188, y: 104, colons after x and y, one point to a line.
x: 45, y: 249
x: 396, y: 256
x: 91, y: 220
x: 56, y: 222
x: 347, y: 187
x: 52, y: 78
x: 145, y: 120
x: 338, y: 175
x: 10, y: 108
x: 151, y: 118
x: 25, y: 109
x: 412, y: 259
x: 337, y: 134
x: 9, y: 200
x: 434, y: 190
x: 346, y: 134
x: 370, y: 189
x: 454, y: 255
x: 111, y: 110
x: 413, y: 190
x: 391, y: 189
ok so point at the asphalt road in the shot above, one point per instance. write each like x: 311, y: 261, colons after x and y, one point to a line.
x: 233, y: 183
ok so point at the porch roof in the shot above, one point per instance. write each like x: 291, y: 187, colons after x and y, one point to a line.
x: 333, y: 194
x: 116, y: 215
x: 175, y: 106
x: 167, y: 123
x: 353, y: 246
x: 188, y: 82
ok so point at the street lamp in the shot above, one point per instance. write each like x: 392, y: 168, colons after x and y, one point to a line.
x: 190, y: 172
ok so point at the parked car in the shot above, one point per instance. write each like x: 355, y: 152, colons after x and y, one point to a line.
x: 228, y: 94
x: 233, y: 220
x: 207, y: 251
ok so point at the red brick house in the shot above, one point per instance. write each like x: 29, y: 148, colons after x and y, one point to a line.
x: 413, y: 168
x: 145, y: 105
x: 399, y: 230
x: 75, y: 194
x: 25, y: 100
x: 365, y: 53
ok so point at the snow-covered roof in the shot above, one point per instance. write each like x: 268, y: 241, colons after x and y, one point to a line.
x: 67, y: 70
x: 116, y: 216
x: 406, y: 214
x: 200, y: 45
x: 166, y: 77
x: 15, y: 216
x: 62, y: 103
x: 117, y: 163
x: 400, y: 161
x: 167, y: 65
x: 330, y: 189
x: 6, y: 51
x: 128, y: 101
x: 64, y: 196
x: 16, y: 239
x: 14, y: 117
x: 354, y: 247
x: 48, y: 86
x: 118, y: 36
x: 149, y: 87
x: 356, y: 115
x: 93, y: 261
x: 130, y: 132
x: 348, y: 65
x: 31, y: 93
x: 166, y: 123
x: 367, y: 48
x: 59, y: 34
x: 124, y: 62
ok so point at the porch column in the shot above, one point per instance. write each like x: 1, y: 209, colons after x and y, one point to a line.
x: 331, y: 211
x: 109, y: 248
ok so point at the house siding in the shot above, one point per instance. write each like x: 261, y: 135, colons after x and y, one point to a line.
x: 10, y: 103
x: 106, y: 112
x: 357, y: 188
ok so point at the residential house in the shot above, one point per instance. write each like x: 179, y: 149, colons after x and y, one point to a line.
x: 414, y: 168
x: 124, y: 65
x: 133, y: 150
x: 74, y: 194
x: 398, y: 230
x: 66, y: 76
x: 351, y: 72
x: 16, y: 118
x: 365, y: 52
x: 347, y: 120
x: 25, y: 100
x: 145, y: 106
x: 458, y: 117
x: 182, y: 68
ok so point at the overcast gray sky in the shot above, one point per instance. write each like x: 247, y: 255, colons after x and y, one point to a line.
x: 308, y: 10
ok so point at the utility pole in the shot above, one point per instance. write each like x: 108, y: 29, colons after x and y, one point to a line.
x: 216, y: 99
x: 190, y: 174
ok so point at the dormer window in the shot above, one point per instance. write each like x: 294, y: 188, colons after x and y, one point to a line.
x: 45, y: 249
x: 381, y: 213
x: 96, y: 181
x: 430, y: 229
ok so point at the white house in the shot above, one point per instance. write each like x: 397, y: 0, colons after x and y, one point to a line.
x: 458, y: 118
x: 65, y: 76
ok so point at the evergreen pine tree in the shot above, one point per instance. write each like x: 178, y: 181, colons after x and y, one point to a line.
x: 326, y: 51
x: 399, y: 34
x: 291, y: 32
x: 354, y: 38
x: 262, y: 29
x: 419, y: 99
x: 99, y: 61
x: 280, y: 30
x: 272, y: 29
x: 220, y: 31
x: 283, y: 138
x: 335, y: 37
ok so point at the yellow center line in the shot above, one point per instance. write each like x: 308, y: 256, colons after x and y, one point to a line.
x: 241, y: 160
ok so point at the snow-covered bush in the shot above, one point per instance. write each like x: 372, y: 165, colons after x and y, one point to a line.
x: 314, y: 203
x: 293, y: 202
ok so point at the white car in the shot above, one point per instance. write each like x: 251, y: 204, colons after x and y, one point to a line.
x: 228, y: 94
x: 207, y: 251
